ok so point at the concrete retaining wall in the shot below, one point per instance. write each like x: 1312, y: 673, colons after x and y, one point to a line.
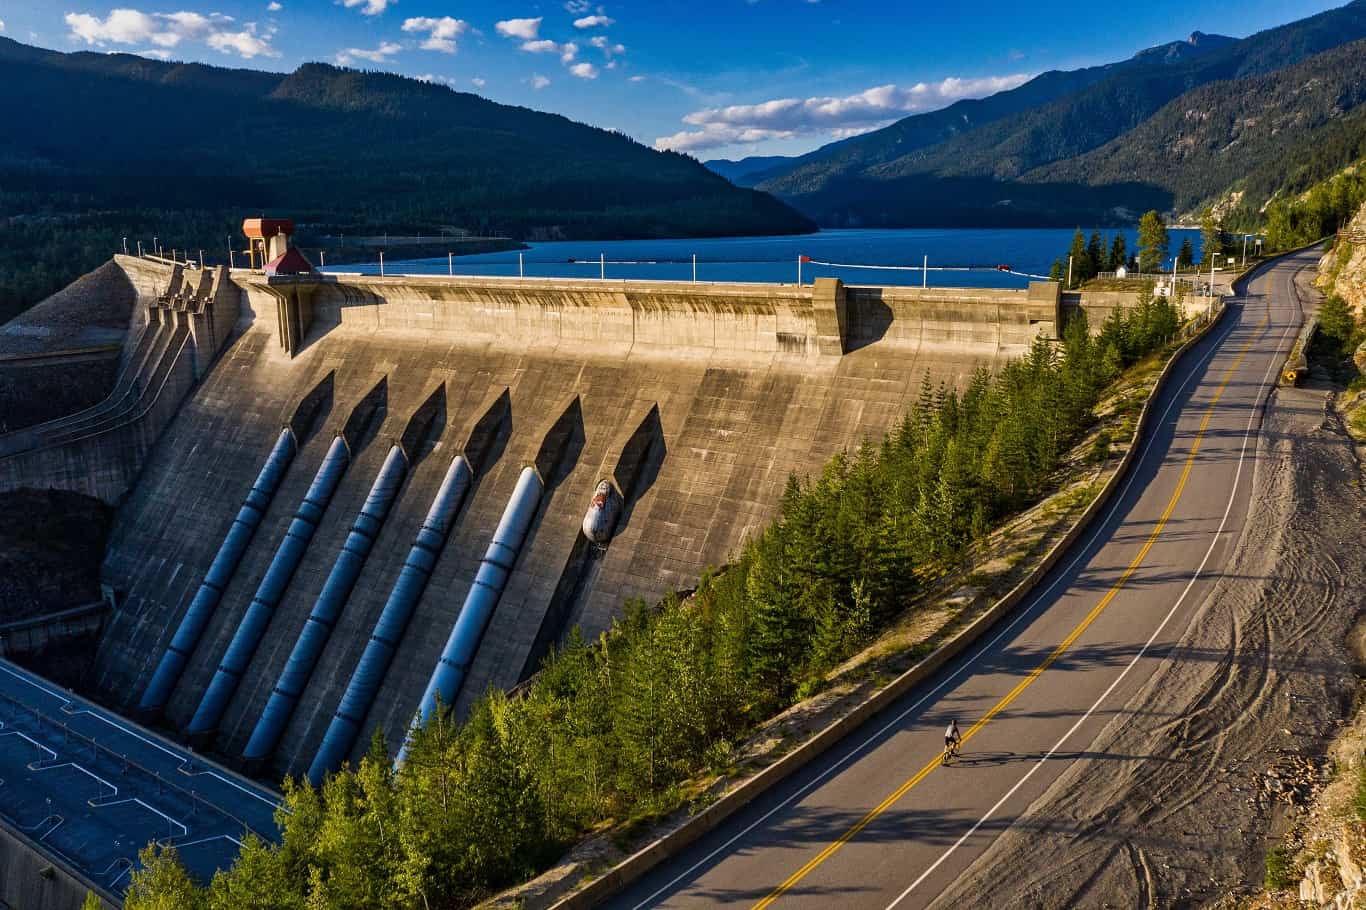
x: 30, y: 878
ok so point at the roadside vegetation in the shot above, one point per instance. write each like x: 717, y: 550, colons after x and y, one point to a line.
x: 611, y: 730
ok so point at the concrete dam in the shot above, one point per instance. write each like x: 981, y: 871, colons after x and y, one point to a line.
x: 340, y: 497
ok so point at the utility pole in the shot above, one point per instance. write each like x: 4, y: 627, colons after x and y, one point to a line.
x: 694, y: 268
x: 139, y: 249
x: 201, y: 259
x: 521, y: 269
x: 799, y: 271
x: 1243, y: 264
x: 450, y: 263
x: 125, y: 246
x: 602, y: 266
x: 925, y: 272
x: 381, y: 263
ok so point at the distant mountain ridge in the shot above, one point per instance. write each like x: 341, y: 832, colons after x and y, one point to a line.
x: 341, y: 147
x: 1003, y: 160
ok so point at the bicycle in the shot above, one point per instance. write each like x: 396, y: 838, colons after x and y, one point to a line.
x: 950, y: 752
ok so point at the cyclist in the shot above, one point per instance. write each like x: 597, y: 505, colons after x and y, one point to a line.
x: 952, y: 739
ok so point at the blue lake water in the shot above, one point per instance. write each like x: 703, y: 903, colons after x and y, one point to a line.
x: 979, y: 251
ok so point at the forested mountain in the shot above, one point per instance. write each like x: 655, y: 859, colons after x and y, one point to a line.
x: 140, y: 146
x: 748, y: 171
x: 1278, y: 131
x: 995, y: 172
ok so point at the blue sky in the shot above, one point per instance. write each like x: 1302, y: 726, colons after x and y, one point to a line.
x: 715, y: 78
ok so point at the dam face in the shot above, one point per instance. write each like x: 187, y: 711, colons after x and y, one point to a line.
x: 693, y: 403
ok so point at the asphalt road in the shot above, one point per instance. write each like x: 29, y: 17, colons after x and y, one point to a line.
x: 877, y: 822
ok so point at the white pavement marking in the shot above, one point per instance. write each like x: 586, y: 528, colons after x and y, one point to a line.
x: 1228, y: 510
x: 1038, y: 600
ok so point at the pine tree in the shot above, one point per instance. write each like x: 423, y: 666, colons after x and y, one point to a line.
x: 1186, y: 257
x: 1153, y: 242
x: 162, y: 883
x: 1211, y: 237
x: 1095, y: 255
x: 1080, y: 259
x: 1119, y: 256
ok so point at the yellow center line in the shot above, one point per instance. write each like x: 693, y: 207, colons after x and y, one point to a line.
x: 914, y: 779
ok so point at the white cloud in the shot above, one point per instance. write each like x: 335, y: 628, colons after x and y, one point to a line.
x: 2, y: 25
x: 435, y: 79
x: 525, y: 29
x: 539, y: 82
x: 380, y: 54
x: 368, y: 7
x: 598, y: 21
x: 168, y: 30
x: 246, y: 44
x: 273, y: 7
x: 154, y: 54
x: 604, y: 44
x: 478, y: 82
x: 578, y: 7
x: 441, y: 33
x: 584, y: 70
x: 638, y: 78
x: 540, y: 46
x: 568, y: 51
x: 786, y: 118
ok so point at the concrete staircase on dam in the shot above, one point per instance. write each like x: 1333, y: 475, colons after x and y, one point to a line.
x: 696, y: 401
x: 186, y: 317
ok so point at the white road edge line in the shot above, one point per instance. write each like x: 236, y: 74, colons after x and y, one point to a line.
x: 1026, y: 613
x: 1228, y: 510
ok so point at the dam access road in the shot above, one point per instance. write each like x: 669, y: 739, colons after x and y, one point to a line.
x: 877, y: 822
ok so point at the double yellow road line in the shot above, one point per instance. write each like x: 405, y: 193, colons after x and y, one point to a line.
x: 831, y: 849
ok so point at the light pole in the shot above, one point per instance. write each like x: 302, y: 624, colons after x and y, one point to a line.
x: 694, y: 268
x: 139, y: 249
x: 1243, y: 264
x: 125, y: 246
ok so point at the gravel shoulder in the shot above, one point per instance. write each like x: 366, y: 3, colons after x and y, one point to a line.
x: 1204, y: 766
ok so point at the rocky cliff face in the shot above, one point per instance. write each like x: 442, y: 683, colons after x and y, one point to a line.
x: 1342, y: 270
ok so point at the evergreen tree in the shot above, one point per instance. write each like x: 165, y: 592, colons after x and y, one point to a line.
x: 1080, y: 259
x: 1058, y: 271
x: 1211, y: 237
x: 162, y: 883
x: 1119, y: 256
x: 1186, y: 257
x: 1095, y: 254
x: 1153, y: 243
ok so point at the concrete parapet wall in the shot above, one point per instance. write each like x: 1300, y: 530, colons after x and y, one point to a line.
x: 667, y: 319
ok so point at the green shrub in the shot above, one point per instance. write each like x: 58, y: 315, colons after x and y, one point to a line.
x: 1280, y: 870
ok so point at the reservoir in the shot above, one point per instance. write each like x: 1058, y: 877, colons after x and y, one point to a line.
x: 958, y: 257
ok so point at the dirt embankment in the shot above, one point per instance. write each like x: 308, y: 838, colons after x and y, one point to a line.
x: 1212, y: 759
x: 92, y: 312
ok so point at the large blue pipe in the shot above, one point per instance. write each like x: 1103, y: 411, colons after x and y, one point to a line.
x: 483, y: 597
x: 336, y: 590
x: 379, y: 652
x: 220, y: 572
x: 272, y: 588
